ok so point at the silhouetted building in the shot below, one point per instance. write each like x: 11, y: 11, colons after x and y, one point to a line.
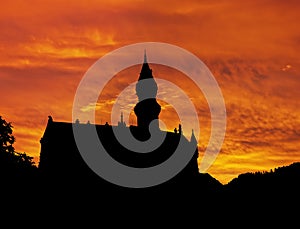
x: 60, y: 158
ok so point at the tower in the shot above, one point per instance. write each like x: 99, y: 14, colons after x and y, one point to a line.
x: 147, y: 109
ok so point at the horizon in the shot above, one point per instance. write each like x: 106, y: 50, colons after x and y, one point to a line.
x: 47, y: 47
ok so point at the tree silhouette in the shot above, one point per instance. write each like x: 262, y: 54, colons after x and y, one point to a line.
x: 13, y: 164
x: 6, y: 137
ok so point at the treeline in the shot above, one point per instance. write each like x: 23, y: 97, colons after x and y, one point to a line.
x: 281, y: 180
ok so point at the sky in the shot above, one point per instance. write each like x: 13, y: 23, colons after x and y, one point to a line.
x: 251, y: 47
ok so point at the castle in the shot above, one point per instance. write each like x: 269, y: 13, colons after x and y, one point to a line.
x: 61, y: 160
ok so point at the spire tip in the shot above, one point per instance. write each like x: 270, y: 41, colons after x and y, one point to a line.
x: 145, y: 56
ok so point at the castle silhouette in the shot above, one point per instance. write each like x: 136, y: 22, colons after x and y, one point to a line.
x: 64, y: 182
x: 61, y: 160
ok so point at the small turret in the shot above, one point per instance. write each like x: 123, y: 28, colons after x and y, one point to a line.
x: 193, y: 139
x: 121, y: 123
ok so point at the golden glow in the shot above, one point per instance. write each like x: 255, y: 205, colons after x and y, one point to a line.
x: 252, y: 48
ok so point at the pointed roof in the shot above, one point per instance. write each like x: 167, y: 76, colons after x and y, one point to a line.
x: 193, y: 138
x: 146, y: 72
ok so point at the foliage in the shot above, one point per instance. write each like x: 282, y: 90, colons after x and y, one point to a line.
x: 6, y: 137
x: 12, y: 163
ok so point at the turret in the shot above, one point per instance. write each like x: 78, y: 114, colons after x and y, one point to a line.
x: 147, y: 109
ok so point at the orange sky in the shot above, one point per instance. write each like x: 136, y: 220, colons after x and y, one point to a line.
x: 251, y: 47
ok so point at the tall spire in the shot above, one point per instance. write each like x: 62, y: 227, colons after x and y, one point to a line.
x: 146, y: 72
x: 145, y: 56
x: 146, y: 86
